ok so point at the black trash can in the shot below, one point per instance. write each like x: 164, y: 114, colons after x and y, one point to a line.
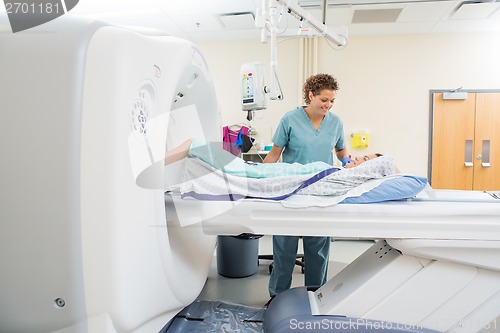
x: 237, y: 256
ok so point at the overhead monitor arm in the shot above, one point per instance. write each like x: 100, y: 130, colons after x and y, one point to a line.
x: 267, y: 20
x: 301, y: 14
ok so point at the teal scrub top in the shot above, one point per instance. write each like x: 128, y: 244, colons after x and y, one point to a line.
x: 304, y: 144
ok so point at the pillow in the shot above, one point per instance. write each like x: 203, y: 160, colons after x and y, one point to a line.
x: 392, y: 189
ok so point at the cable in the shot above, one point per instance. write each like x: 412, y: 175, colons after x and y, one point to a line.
x: 280, y: 95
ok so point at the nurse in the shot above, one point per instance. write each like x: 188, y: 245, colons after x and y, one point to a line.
x: 307, y: 134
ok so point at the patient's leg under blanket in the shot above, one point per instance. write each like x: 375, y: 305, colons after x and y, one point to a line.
x: 215, y: 316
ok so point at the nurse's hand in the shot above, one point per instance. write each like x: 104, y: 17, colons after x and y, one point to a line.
x: 345, y: 160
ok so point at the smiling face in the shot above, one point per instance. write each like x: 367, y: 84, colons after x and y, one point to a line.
x: 357, y: 160
x: 320, y: 104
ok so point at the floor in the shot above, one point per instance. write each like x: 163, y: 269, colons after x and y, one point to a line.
x: 252, y: 291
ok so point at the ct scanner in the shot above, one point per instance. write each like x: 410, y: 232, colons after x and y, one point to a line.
x: 84, y: 243
x: 90, y: 242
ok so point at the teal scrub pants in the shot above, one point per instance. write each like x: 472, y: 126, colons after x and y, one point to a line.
x: 316, y: 256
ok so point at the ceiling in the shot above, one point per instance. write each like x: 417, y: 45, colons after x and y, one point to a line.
x: 214, y: 20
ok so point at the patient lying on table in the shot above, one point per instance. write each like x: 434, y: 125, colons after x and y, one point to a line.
x: 219, y: 158
x: 214, y: 174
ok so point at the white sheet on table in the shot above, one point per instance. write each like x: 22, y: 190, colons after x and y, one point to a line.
x: 203, y: 179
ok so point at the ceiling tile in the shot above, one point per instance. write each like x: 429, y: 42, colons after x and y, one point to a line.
x: 495, y: 15
x: 475, y: 10
x: 426, y: 11
x: 339, y: 15
x: 194, y: 23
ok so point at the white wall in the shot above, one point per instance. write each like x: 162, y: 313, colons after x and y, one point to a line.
x: 384, y: 84
x: 224, y: 62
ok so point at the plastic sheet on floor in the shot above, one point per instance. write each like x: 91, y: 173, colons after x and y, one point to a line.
x: 216, y: 316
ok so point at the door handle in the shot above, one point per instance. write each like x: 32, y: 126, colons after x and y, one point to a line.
x: 485, y: 159
x: 468, y: 154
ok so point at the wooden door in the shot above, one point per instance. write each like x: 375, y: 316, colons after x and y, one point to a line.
x: 466, y: 142
x: 487, y: 142
x: 453, y: 124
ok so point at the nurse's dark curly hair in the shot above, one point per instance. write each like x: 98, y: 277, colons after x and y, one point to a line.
x: 318, y: 82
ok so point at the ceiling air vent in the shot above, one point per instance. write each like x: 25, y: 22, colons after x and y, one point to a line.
x: 235, y: 21
x: 389, y: 15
